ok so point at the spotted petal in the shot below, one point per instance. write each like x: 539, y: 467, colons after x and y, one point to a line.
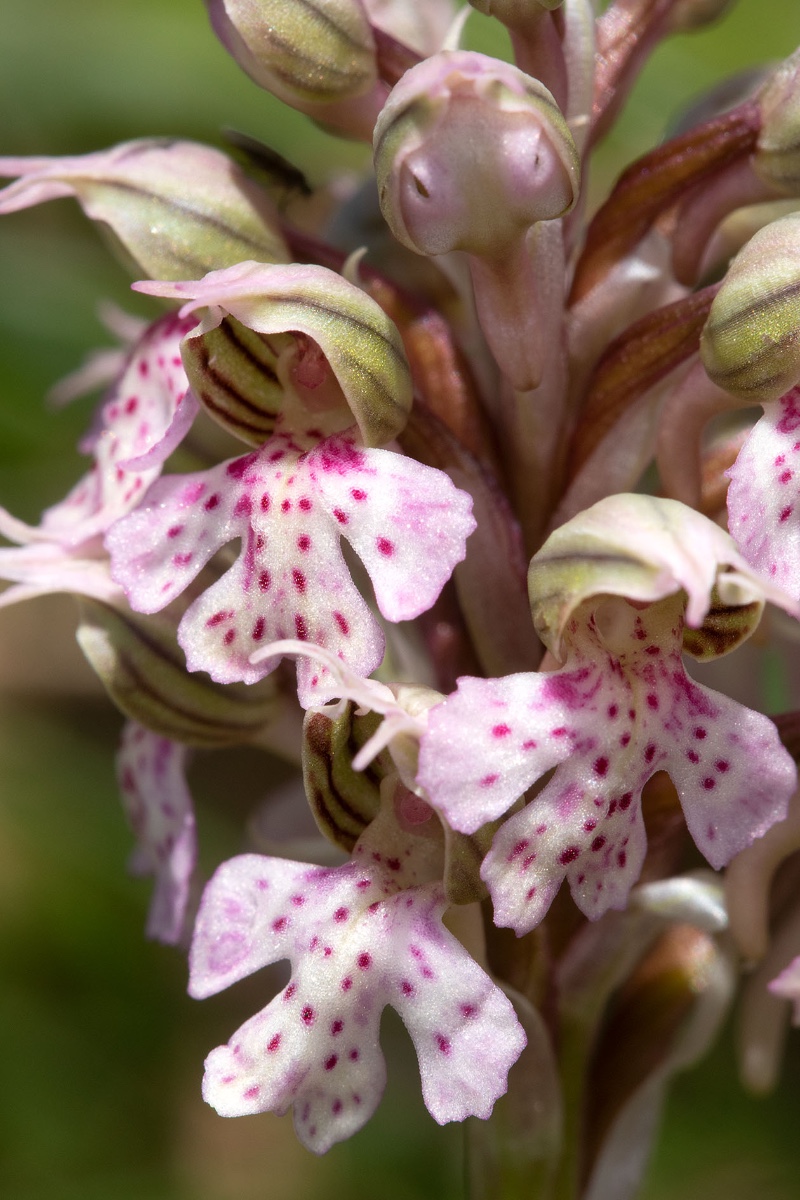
x: 406, y: 521
x: 356, y: 943
x: 621, y: 709
x: 151, y: 772
x: 764, y: 494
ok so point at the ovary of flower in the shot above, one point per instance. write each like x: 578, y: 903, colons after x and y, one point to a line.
x: 289, y: 505
x: 619, y: 710
x: 144, y: 417
x: 152, y: 780
x: 764, y: 494
x: 359, y: 938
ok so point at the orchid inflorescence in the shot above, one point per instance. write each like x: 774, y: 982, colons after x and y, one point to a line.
x: 494, y: 382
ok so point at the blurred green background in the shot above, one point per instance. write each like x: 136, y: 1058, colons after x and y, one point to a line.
x: 100, y: 1049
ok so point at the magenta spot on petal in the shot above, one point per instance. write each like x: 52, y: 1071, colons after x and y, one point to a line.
x: 364, y: 961
x: 290, y: 991
x: 626, y: 801
x: 212, y: 502
x: 540, y: 829
x: 336, y: 1107
x: 649, y: 752
x: 709, y: 783
x: 518, y: 849
x: 385, y: 547
x: 569, y: 855
x: 273, y: 1043
x: 252, y: 1092
x: 218, y: 617
x: 244, y: 506
x: 229, y: 636
x: 258, y: 630
x: 622, y: 858
x: 722, y: 765
x: 652, y: 650
x: 785, y: 513
x: 358, y: 494
x: 337, y: 1027
x: 488, y: 780
x: 341, y: 517
x: 304, y: 504
x: 652, y: 700
x: 699, y: 733
x: 307, y: 1015
x: 300, y: 628
x: 693, y: 756
x: 528, y: 862
x: 341, y: 914
x: 612, y: 711
x: 264, y: 580
x: 598, y: 843
x: 612, y: 808
x: 279, y: 924
x: 560, y: 731
x: 443, y: 1043
x: 264, y: 502
x: 600, y: 766
x: 531, y: 892
x: 353, y: 1056
x: 174, y: 531
x: 144, y: 368
x: 589, y: 826
x: 501, y: 731
x: 711, y: 833
x: 181, y: 560
x: 529, y: 745
x: 237, y: 468
x: 347, y: 983
x: 784, y: 477
x: 299, y: 581
x: 342, y: 622
x: 468, y: 1010
x: 331, y: 1062
x: 407, y: 988
x: 286, y: 506
x: 304, y: 543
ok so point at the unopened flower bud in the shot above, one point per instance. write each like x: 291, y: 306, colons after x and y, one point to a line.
x: 172, y: 208
x: 469, y: 154
x: 139, y: 662
x: 751, y: 342
x: 777, y: 157
x: 317, y: 56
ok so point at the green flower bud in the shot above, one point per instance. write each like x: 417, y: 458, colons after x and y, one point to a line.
x: 777, y: 157
x: 143, y: 669
x: 173, y: 209
x: 750, y: 345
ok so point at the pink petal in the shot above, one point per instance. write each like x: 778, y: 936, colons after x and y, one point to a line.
x: 607, y: 721
x: 289, y: 509
x: 356, y: 944
x: 787, y: 985
x: 151, y: 773
x: 764, y: 494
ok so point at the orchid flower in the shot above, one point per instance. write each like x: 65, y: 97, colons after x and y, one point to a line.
x: 620, y: 709
x: 359, y: 937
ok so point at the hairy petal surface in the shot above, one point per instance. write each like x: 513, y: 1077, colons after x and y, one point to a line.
x: 290, y: 506
x: 358, y: 939
x: 621, y: 709
x: 764, y: 494
x: 155, y: 795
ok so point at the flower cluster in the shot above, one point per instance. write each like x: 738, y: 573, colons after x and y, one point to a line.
x: 388, y: 441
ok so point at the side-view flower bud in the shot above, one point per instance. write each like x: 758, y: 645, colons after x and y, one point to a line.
x: 750, y: 344
x: 777, y: 157
x: 171, y: 208
x: 469, y: 154
x: 318, y: 56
